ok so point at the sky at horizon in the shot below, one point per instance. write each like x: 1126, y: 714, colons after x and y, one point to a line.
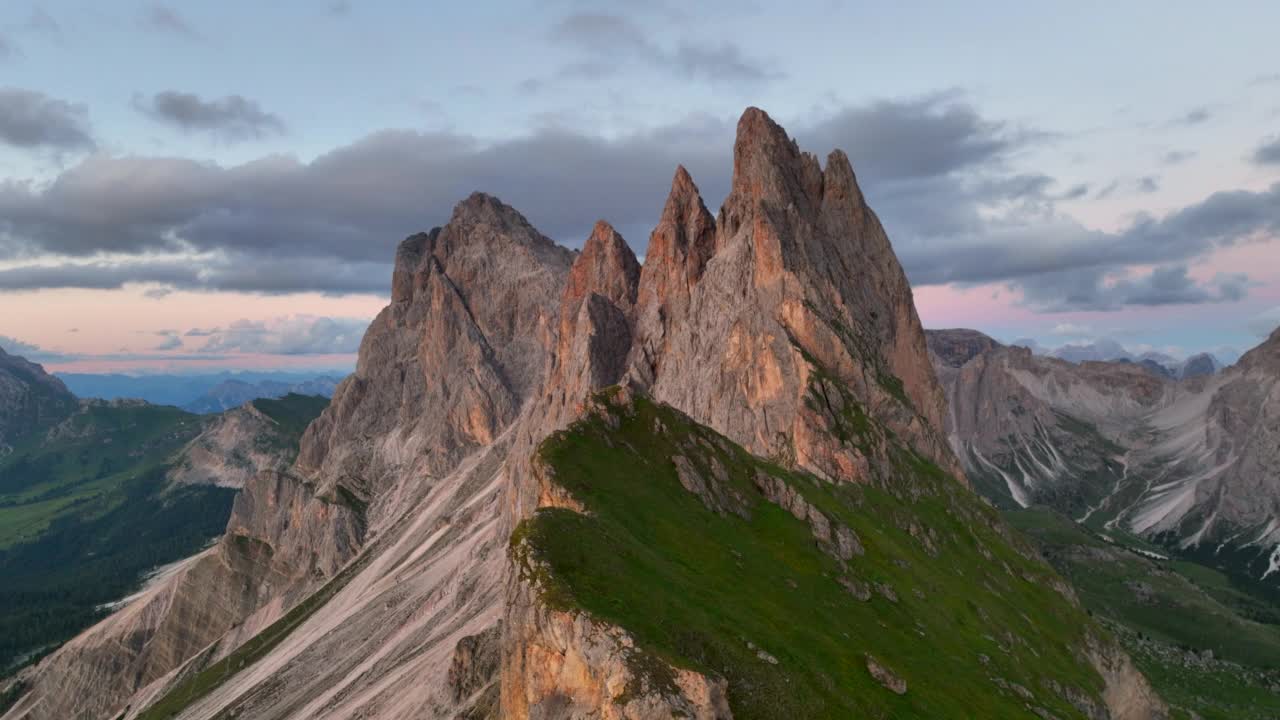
x: 192, y: 186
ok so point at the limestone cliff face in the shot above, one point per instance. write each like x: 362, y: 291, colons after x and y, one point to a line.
x: 800, y: 280
x: 239, y: 444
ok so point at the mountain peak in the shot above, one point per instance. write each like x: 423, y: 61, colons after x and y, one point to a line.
x: 606, y: 266
x: 768, y: 164
x: 30, y: 398
x: 957, y: 346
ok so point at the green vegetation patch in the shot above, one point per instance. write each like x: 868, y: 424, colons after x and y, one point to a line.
x: 292, y: 413
x: 947, y: 604
x: 1207, y: 644
x: 84, y: 514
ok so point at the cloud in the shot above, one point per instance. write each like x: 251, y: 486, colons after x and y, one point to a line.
x: 339, y: 8
x: 232, y: 118
x: 1148, y: 184
x: 41, y: 21
x: 1268, y: 153
x: 1076, y: 192
x: 170, y: 341
x: 198, y: 332
x: 295, y: 335
x: 601, y: 33
x: 220, y: 271
x: 166, y: 19
x: 1087, y: 290
x: 1194, y: 116
x: 609, y: 39
x: 29, y: 119
x: 723, y: 63
x: 1071, y: 329
x: 1176, y: 157
x: 34, y: 353
x: 937, y: 171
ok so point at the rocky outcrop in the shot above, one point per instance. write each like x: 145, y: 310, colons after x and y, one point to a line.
x: 31, y: 400
x: 1127, y: 694
x: 236, y: 446
x: 597, y: 310
x: 567, y: 665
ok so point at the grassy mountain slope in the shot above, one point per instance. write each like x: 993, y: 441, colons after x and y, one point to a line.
x: 733, y: 585
x: 1209, y: 644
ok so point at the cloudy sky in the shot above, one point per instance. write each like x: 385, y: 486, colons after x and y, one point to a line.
x: 192, y: 184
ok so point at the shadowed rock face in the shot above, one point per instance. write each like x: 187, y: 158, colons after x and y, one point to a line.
x: 31, y: 400
x: 407, y: 488
x: 954, y: 348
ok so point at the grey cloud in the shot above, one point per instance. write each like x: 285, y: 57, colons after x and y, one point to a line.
x: 339, y: 8
x: 30, y: 119
x: 1175, y: 157
x: 166, y: 19
x: 1195, y: 116
x: 1148, y: 184
x: 1108, y: 190
x: 1011, y: 249
x: 607, y: 39
x: 298, y: 335
x: 231, y: 118
x: 920, y: 137
x: 199, y: 332
x: 1268, y: 153
x: 170, y: 340
x: 936, y: 171
x: 7, y: 48
x: 34, y: 353
x: 240, y: 273
x: 1076, y: 192
x: 41, y: 21
x: 601, y: 32
x: 721, y: 63
x: 1086, y: 290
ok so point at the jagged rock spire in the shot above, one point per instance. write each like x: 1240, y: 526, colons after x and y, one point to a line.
x: 606, y: 266
x: 596, y: 320
x: 679, y: 249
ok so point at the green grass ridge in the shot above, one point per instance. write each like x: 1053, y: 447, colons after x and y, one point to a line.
x: 708, y: 591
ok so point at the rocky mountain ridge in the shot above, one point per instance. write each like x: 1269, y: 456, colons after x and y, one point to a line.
x: 1190, y: 461
x: 400, y: 568
x: 30, y: 399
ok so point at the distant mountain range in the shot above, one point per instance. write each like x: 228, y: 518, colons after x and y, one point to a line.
x: 198, y: 393
x: 234, y: 393
x: 1108, y: 350
x: 1185, y: 458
